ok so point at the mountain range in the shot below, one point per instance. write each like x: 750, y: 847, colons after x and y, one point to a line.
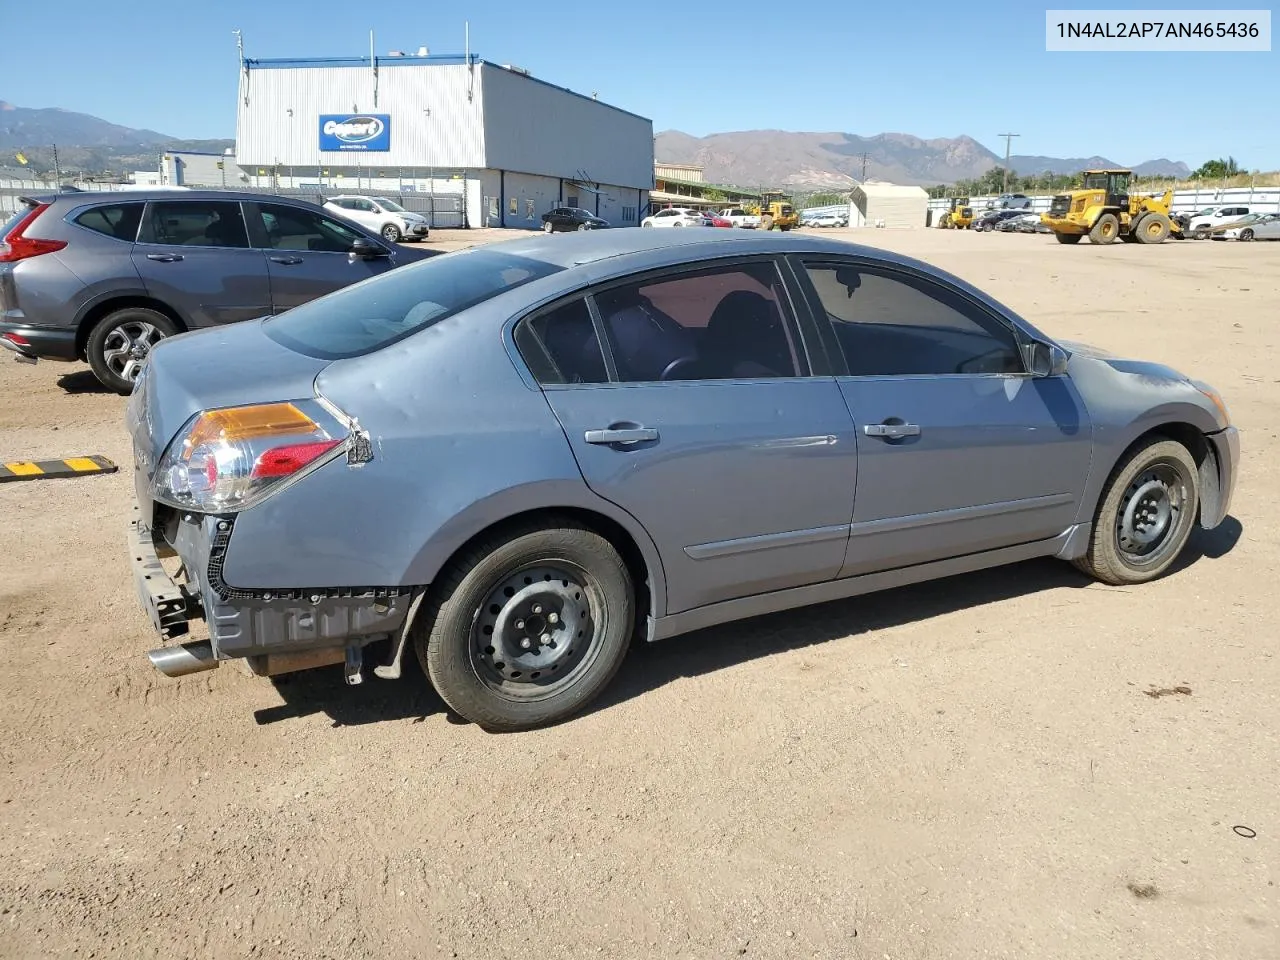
x: 86, y: 144
x: 835, y: 160
x: 781, y: 158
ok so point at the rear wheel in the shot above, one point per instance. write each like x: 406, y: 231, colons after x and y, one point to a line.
x: 1145, y: 516
x: 547, y: 227
x: 1068, y: 237
x: 526, y: 629
x: 119, y: 345
x: 1153, y: 228
x: 1105, y: 229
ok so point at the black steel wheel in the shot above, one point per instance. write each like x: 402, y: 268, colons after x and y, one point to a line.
x: 527, y: 629
x: 1146, y: 515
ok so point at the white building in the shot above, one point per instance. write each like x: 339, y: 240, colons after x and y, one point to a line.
x: 875, y: 203
x: 508, y: 146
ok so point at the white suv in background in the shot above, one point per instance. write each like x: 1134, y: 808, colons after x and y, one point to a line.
x: 674, y: 217
x: 380, y: 215
x: 1204, y: 222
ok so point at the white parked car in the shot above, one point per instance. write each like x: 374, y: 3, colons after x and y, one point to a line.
x: 1203, y: 223
x: 740, y: 218
x: 674, y: 217
x: 825, y: 220
x: 1264, y: 227
x: 382, y: 216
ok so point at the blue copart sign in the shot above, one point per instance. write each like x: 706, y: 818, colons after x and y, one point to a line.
x: 369, y: 132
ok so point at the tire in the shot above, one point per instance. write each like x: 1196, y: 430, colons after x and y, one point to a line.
x: 121, y: 342
x: 391, y: 233
x: 1246, y: 235
x: 562, y: 571
x: 1153, y: 228
x: 1201, y: 233
x: 1068, y: 237
x: 582, y: 228
x: 1160, y: 477
x: 1105, y: 229
x: 547, y: 227
x: 647, y: 226
x: 677, y: 224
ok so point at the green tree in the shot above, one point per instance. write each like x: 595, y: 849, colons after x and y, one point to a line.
x: 1217, y: 169
x: 716, y: 196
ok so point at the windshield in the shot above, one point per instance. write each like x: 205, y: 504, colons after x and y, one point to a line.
x: 391, y: 205
x: 368, y: 316
x: 1095, y: 181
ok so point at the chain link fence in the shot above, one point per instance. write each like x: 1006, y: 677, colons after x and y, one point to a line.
x: 443, y: 210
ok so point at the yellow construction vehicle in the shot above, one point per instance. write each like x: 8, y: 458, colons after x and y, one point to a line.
x: 959, y: 217
x: 777, y: 213
x: 1105, y: 211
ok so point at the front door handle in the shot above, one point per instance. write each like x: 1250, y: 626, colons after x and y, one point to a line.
x: 287, y: 261
x: 892, y: 431
x: 164, y: 257
x: 621, y: 435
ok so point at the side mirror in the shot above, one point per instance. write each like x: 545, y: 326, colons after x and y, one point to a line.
x: 1046, y: 359
x: 362, y: 249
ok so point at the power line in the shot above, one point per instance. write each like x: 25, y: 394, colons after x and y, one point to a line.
x: 1008, y: 141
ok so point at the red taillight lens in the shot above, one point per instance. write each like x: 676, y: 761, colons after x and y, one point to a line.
x: 284, y: 461
x: 16, y: 340
x: 15, y: 246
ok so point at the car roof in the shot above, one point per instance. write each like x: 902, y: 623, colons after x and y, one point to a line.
x: 122, y: 196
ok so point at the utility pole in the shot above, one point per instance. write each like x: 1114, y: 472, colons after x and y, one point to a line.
x: 864, y: 167
x: 57, y: 170
x: 1008, y: 142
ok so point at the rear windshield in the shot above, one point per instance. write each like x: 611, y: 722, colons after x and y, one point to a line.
x: 10, y: 222
x: 371, y: 315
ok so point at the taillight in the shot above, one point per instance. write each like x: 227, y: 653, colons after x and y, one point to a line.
x: 226, y: 460
x: 16, y: 247
x: 16, y: 339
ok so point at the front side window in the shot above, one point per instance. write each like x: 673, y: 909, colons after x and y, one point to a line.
x: 890, y: 325
x: 295, y: 229
x: 118, y: 220
x: 368, y: 316
x: 194, y: 223
x: 560, y: 345
x: 727, y: 322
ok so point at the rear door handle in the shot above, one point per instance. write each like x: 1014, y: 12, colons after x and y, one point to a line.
x: 892, y: 431
x: 287, y: 261
x: 164, y: 257
x: 621, y: 435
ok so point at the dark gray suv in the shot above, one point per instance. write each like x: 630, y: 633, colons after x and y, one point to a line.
x: 102, y: 277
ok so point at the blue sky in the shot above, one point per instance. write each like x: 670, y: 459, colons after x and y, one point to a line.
x: 862, y: 68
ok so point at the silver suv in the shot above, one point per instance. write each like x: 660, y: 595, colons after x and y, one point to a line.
x: 102, y: 277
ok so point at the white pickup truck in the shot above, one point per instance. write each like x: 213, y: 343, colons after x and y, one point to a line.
x: 740, y: 218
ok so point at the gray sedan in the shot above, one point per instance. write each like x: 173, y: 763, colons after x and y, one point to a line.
x: 514, y: 458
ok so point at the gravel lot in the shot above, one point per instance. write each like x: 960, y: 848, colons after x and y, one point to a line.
x: 980, y: 767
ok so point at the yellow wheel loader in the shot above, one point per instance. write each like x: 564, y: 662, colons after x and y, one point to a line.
x: 960, y: 216
x: 777, y: 213
x: 1105, y: 211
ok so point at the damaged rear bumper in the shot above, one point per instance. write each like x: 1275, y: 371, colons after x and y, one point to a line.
x: 275, y: 629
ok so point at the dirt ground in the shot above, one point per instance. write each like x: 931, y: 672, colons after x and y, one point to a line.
x: 979, y: 767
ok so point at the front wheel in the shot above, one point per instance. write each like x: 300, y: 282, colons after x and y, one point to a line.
x: 582, y: 228
x: 1145, y: 516
x: 526, y: 629
x: 119, y: 345
x: 1105, y: 229
x: 391, y: 233
x: 547, y: 227
x: 1246, y: 235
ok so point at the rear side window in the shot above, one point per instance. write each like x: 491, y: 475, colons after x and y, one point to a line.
x: 194, y: 223
x: 560, y: 345
x: 119, y: 220
x: 368, y: 316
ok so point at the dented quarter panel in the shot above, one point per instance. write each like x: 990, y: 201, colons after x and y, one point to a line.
x: 430, y: 486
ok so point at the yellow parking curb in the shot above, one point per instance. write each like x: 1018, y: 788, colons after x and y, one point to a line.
x: 55, y: 469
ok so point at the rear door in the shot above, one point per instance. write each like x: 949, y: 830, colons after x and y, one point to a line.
x: 959, y: 449
x: 194, y: 255
x: 308, y: 253
x: 704, y: 424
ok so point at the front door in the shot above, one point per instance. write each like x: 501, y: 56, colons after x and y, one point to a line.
x: 704, y: 425
x: 194, y: 255
x: 959, y: 449
x: 308, y: 253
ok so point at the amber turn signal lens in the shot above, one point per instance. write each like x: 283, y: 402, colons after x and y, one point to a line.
x: 249, y: 423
